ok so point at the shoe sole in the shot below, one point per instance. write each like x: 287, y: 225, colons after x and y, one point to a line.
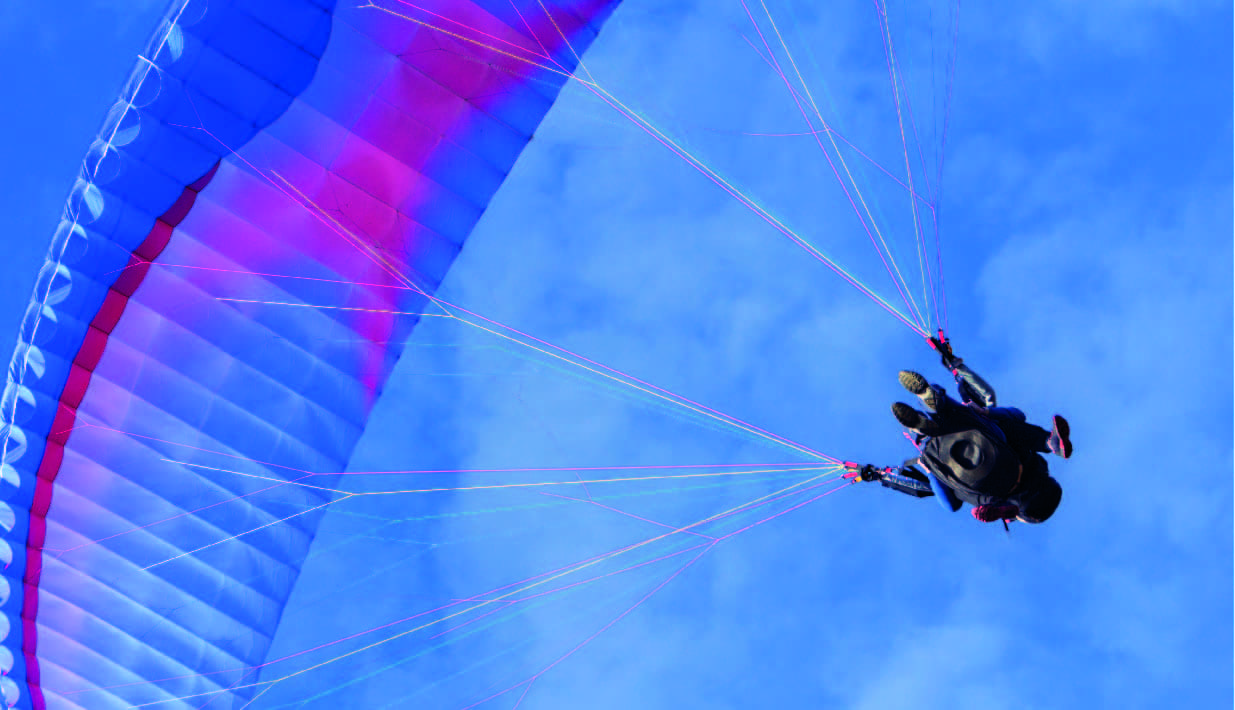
x: 913, y: 382
x: 918, y: 385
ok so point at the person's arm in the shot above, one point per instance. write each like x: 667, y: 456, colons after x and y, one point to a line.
x: 973, y: 389
x: 905, y: 479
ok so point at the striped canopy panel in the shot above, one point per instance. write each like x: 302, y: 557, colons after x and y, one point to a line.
x: 276, y: 195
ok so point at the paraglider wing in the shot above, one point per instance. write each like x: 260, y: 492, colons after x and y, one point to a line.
x: 265, y: 213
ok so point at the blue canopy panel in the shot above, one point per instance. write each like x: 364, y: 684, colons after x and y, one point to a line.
x: 273, y: 200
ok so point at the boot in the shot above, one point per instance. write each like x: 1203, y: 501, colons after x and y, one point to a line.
x: 913, y: 420
x: 918, y: 385
x: 1059, y: 443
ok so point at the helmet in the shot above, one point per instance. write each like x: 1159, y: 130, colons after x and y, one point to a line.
x: 1041, y: 504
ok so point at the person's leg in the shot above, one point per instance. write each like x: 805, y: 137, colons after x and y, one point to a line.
x: 1026, y: 437
x: 913, y: 420
x: 945, y: 405
x: 934, y: 397
x: 1008, y: 413
x: 1022, y: 436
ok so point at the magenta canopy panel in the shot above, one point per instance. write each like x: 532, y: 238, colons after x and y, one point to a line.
x: 276, y: 195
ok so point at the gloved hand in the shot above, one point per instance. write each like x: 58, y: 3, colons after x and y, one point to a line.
x: 870, y: 473
x: 990, y: 512
x: 944, y: 348
x: 858, y: 472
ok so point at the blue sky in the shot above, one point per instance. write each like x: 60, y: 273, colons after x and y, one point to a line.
x: 1087, y: 229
